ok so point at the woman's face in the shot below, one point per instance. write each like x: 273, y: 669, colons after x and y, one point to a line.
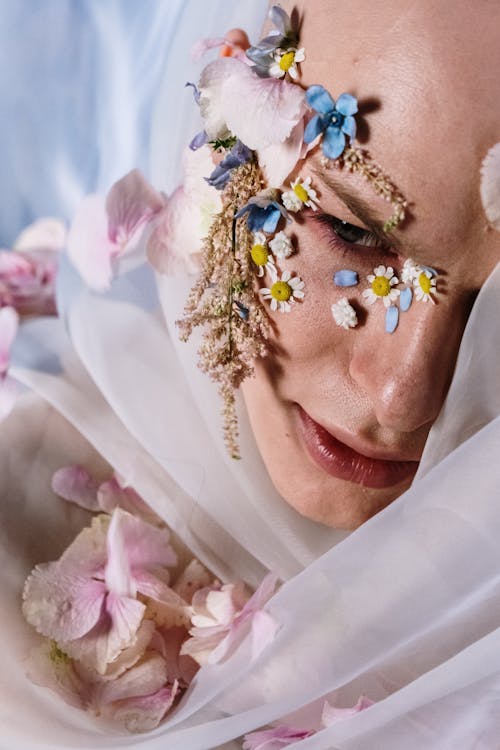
x: 341, y: 416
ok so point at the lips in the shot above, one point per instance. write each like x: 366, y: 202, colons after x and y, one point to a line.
x: 343, y: 462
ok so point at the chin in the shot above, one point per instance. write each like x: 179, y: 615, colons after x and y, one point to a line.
x: 332, y: 502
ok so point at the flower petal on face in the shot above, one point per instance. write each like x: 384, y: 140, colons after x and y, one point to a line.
x: 9, y: 322
x: 345, y: 277
x: 490, y: 185
x: 212, y: 82
x: 405, y: 299
x: 89, y: 247
x: 130, y: 203
x: 314, y: 127
x: 319, y: 99
x: 349, y: 127
x: 347, y: 105
x: 333, y: 142
x: 59, y: 606
x: 261, y: 111
x: 75, y: 484
x: 202, y: 46
x: 391, y: 319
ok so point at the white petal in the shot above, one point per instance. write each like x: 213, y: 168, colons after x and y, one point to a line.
x: 490, y: 185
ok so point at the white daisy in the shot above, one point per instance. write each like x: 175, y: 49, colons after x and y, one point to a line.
x: 344, y: 314
x: 281, y: 245
x: 410, y: 271
x: 382, y: 282
x: 261, y: 255
x: 424, y: 286
x: 285, y: 61
x: 283, y: 292
x: 301, y: 194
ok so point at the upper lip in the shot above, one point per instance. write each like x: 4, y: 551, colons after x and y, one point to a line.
x: 363, y: 447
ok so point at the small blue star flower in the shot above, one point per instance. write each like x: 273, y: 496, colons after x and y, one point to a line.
x: 334, y: 120
x: 264, y: 212
x: 221, y: 175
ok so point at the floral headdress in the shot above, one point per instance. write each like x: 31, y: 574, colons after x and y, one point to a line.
x: 260, y: 124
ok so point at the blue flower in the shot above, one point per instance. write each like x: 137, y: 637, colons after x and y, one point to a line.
x: 334, y: 120
x: 238, y: 155
x: 264, y: 212
x: 282, y: 37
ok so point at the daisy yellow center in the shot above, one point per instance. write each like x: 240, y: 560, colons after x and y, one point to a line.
x: 425, y: 283
x: 381, y: 286
x: 301, y: 193
x: 281, y: 291
x: 259, y: 255
x: 287, y: 61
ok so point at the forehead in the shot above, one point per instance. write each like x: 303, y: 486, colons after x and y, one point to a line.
x: 427, y: 83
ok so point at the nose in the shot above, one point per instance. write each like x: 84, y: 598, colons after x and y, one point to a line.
x: 406, y: 374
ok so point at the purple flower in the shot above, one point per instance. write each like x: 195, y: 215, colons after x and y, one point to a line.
x: 221, y: 175
x: 282, y: 37
x: 334, y: 120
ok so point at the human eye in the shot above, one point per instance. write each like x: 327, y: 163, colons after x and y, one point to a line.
x: 342, y: 233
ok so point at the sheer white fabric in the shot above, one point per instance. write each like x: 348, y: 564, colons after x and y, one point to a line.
x: 405, y: 610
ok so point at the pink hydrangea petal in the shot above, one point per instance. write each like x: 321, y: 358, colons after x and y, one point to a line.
x: 193, y: 578
x: 115, y: 631
x: 9, y: 322
x: 118, y: 567
x: 13, y: 265
x: 151, y: 585
x: 62, y: 607
x: 145, y: 713
x: 202, y: 46
x: 75, y: 484
x: 147, y: 676
x: 275, y: 738
x: 331, y: 714
x: 111, y: 494
x: 147, y: 546
x: 261, y: 111
x: 169, y: 641
x: 279, y: 159
x: 131, y: 655
x: 48, y: 667
x: 202, y: 648
x: 131, y: 202
x: 224, y: 604
x: 89, y: 246
x: 86, y: 555
x: 46, y: 233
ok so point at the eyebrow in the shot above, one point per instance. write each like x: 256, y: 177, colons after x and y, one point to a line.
x: 362, y: 210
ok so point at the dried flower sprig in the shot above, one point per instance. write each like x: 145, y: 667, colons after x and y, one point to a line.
x: 224, y: 300
x: 355, y: 159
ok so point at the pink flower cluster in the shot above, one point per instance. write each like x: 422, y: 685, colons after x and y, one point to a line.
x: 116, y: 610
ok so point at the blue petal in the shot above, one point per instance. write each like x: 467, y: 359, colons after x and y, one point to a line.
x: 345, y: 278
x: 431, y: 270
x: 319, y: 99
x: 405, y: 298
x: 273, y: 215
x: 280, y: 19
x: 391, y: 319
x: 196, y: 91
x: 243, y: 210
x: 349, y: 127
x: 313, y: 128
x: 219, y: 177
x: 347, y: 105
x: 255, y: 221
x: 198, y: 141
x: 333, y: 142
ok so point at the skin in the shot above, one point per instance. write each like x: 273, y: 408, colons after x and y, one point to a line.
x: 432, y: 78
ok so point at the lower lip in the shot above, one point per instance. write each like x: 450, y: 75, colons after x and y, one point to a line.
x: 343, y: 462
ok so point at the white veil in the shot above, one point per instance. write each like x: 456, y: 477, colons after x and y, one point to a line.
x: 405, y: 610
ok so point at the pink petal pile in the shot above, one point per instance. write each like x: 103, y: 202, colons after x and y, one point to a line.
x: 124, y: 627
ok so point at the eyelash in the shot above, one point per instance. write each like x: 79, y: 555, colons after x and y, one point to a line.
x: 337, y: 228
